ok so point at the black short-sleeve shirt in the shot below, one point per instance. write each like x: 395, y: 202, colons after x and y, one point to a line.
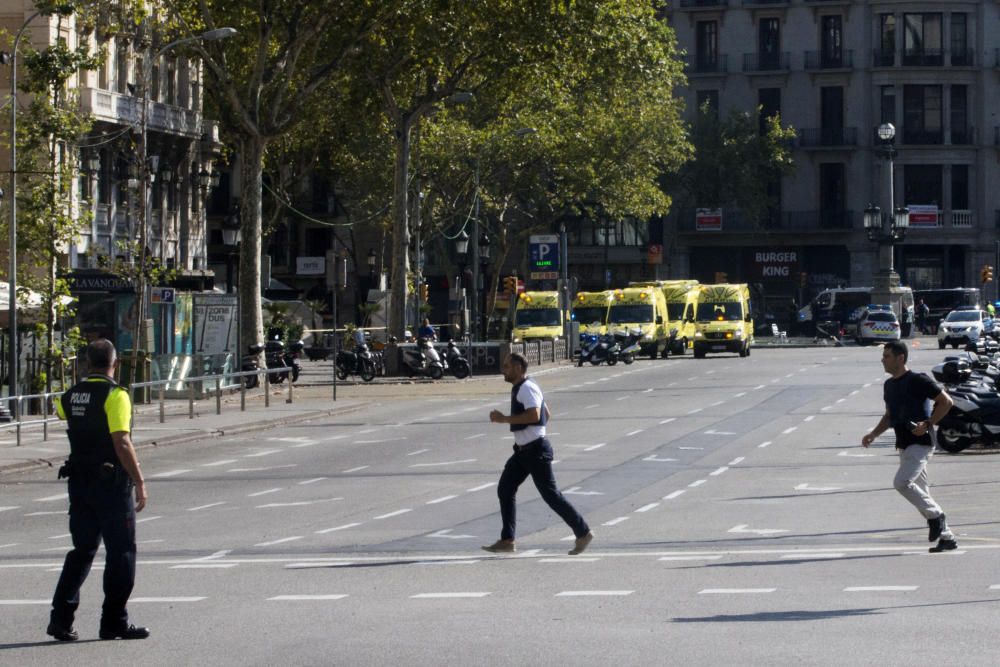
x: 907, y: 398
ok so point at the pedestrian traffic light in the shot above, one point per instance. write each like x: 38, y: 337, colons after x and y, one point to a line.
x: 987, y: 273
x: 424, y: 292
x: 510, y: 284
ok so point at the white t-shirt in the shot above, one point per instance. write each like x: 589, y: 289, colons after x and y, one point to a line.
x: 530, y: 396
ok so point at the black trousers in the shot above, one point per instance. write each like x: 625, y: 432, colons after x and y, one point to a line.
x: 534, y: 460
x: 98, y: 508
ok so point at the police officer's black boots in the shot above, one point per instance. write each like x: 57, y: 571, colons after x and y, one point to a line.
x: 124, y: 632
x: 62, y: 633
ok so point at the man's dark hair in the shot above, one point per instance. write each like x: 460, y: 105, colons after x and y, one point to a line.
x: 100, y: 354
x: 898, y: 348
x: 520, y: 360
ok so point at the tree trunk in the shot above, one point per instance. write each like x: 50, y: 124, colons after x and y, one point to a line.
x: 399, y: 290
x: 251, y: 230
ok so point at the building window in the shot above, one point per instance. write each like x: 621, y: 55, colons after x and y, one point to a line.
x: 922, y: 43
x: 769, y: 100
x: 832, y: 194
x: 922, y: 122
x: 885, y: 56
x: 832, y: 107
x: 961, y: 54
x: 627, y: 232
x: 888, y: 110
x: 961, y: 133
x: 831, y: 41
x: 171, y: 81
x: 922, y: 184
x: 707, y: 46
x: 769, y: 44
x: 708, y: 99
x: 960, y: 187
x: 122, y: 70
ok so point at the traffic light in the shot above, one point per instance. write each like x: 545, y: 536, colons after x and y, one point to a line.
x: 987, y: 273
x: 424, y: 292
x: 510, y: 284
x: 721, y: 277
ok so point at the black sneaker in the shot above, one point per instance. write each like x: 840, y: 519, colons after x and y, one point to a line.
x: 124, y: 632
x: 61, y: 632
x: 944, y: 545
x: 936, y: 526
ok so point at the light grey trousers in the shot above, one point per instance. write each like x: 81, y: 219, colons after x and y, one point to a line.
x: 912, y: 483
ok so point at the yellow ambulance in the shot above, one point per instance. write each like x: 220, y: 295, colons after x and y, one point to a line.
x: 590, y: 311
x: 641, y: 308
x: 723, y: 320
x: 681, y: 296
x: 537, y: 315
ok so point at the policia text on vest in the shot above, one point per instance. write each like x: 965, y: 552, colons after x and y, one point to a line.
x: 104, y: 476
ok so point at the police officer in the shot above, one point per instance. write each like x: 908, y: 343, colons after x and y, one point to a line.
x: 103, y: 471
x: 532, y: 456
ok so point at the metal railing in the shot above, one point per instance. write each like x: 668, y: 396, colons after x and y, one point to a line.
x: 21, y: 421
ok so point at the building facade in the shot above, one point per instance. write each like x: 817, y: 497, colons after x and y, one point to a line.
x: 835, y: 70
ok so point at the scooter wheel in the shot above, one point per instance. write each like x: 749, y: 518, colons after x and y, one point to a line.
x: 250, y: 381
x: 628, y: 359
x: 341, y: 372
x: 461, y: 371
x: 612, y: 361
x: 295, y: 373
x: 367, y: 371
x: 594, y: 361
x: 436, y: 372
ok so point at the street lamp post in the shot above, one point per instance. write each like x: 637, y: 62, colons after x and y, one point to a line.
x: 462, y: 248
x: 887, y: 230
x: 481, y: 294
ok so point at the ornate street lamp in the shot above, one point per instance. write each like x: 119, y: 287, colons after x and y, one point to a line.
x: 887, y: 230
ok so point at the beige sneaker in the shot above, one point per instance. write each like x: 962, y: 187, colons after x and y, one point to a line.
x: 581, y: 544
x: 501, y: 547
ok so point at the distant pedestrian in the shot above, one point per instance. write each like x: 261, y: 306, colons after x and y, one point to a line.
x: 426, y: 330
x: 532, y: 456
x: 922, y: 312
x: 907, y: 395
x: 991, y: 309
x: 103, y: 472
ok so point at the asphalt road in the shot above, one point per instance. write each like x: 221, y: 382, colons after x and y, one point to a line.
x: 738, y: 522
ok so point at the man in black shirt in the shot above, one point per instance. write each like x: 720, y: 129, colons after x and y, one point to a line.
x: 906, y: 397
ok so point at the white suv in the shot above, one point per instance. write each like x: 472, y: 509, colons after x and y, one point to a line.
x: 961, y: 326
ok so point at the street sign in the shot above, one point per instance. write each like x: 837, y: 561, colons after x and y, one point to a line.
x: 544, y: 253
x: 544, y: 275
x: 162, y: 294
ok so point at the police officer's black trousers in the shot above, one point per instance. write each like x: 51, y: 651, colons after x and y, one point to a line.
x: 534, y: 459
x: 98, y: 509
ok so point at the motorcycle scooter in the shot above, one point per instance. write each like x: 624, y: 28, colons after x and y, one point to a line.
x: 975, y: 415
x: 424, y: 360
x: 596, y: 349
x: 359, y: 361
x: 458, y: 364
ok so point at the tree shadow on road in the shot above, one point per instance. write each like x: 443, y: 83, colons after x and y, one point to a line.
x: 814, y: 614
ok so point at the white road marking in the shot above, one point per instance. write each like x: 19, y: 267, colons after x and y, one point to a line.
x: 734, y: 591
x: 809, y: 418
x: 865, y: 589
x: 263, y: 468
x: 298, y: 503
x: 764, y: 444
x: 737, y: 460
x: 443, y: 463
x: 17, y: 602
x: 446, y: 534
x: 760, y: 386
x: 203, y: 566
x: 305, y: 598
x: 46, y: 513
x: 808, y: 487
x: 789, y: 430
x: 575, y: 491
x: 49, y: 499
x: 147, y: 519
x: 718, y: 471
x: 841, y: 400
x: 740, y: 395
x: 825, y: 408
x: 218, y: 463
x: 853, y: 392
x: 334, y: 437
x: 648, y: 391
x: 264, y: 493
x: 368, y: 430
x: 674, y: 494
x: 480, y: 487
x: 636, y: 432
x: 667, y: 420
x: 305, y: 566
x: 392, y: 514
x: 477, y: 435
x: 591, y: 407
x: 697, y: 482
x: 12, y: 544
x: 335, y: 528
x: 169, y: 473
x: 656, y: 459
x: 434, y: 596
x: 716, y: 404
x: 811, y: 555
x: 646, y: 508
x: 714, y: 432
x: 856, y: 456
x: 375, y: 442
x: 715, y: 557
x: 356, y: 469
x: 692, y: 448
x: 9, y: 508
x: 309, y: 443
x: 568, y: 559
x: 205, y: 507
x: 623, y: 398
x: 577, y: 594
x: 696, y: 410
x: 266, y: 452
x: 281, y: 541
x: 593, y: 447
x: 291, y: 440
x: 615, y: 522
x: 742, y: 528
x: 419, y: 451
x: 440, y: 500
x: 311, y: 481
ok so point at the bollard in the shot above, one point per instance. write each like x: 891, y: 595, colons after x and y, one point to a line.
x: 45, y: 418
x: 162, y: 392
x: 190, y: 400
x: 267, y: 390
x: 218, y: 395
x: 243, y: 393
x: 290, y: 383
x: 17, y: 418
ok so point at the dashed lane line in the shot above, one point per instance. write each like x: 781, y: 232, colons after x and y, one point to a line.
x: 697, y: 482
x: 667, y: 420
x: 218, y: 463
x: 737, y: 460
x: 481, y: 487
x: 49, y: 499
x: 311, y: 481
x: 357, y: 469
x: 593, y: 447
x: 615, y: 522
x: 718, y: 471
x: 169, y: 473
x: 646, y: 508
x: 265, y: 492
x: 636, y: 432
x: 419, y: 451
x: 440, y: 500
x: 266, y: 452
x: 336, y: 528
x: 205, y: 507
x: 764, y: 444
x: 9, y: 508
x: 674, y: 494
x: 263, y: 468
x: 281, y: 541
x: 392, y: 514
x: 788, y: 430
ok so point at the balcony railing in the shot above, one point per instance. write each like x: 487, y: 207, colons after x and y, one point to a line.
x: 960, y: 218
x: 883, y: 58
x: 698, y: 4
x: 963, y: 58
x: 758, y: 62
x: 923, y: 58
x: 924, y: 137
x: 790, y: 221
x: 752, y: 3
x: 818, y: 137
x: 963, y: 136
x: 717, y: 65
x: 817, y: 60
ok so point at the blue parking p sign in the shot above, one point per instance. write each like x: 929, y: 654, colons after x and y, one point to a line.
x: 544, y: 252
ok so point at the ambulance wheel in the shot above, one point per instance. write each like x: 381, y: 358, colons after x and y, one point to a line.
x: 699, y: 353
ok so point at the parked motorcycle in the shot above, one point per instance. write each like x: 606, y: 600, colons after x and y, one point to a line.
x: 458, y: 364
x: 598, y: 349
x: 424, y: 360
x: 359, y: 361
x: 975, y: 415
x: 249, y: 363
x: 628, y: 344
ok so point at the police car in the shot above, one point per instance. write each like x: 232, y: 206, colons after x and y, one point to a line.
x: 963, y: 325
x: 877, y: 322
